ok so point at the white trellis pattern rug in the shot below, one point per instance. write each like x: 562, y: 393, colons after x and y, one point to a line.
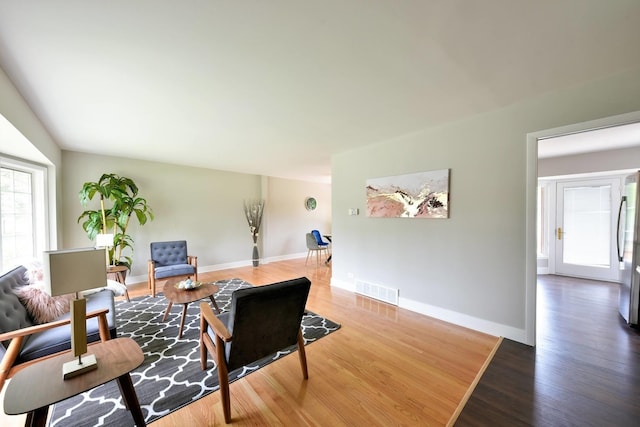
x: 170, y: 376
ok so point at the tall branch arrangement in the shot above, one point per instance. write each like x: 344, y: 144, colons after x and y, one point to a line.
x: 253, y: 211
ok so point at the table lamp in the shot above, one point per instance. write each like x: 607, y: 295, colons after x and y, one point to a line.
x: 71, y: 271
x: 104, y: 241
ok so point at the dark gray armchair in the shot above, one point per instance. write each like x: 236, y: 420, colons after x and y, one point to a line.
x: 170, y: 259
x: 262, y: 320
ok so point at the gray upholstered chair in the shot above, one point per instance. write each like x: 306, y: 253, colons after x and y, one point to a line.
x: 313, y: 246
x: 262, y: 321
x: 170, y: 259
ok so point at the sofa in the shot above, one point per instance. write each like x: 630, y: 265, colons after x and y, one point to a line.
x: 35, y: 340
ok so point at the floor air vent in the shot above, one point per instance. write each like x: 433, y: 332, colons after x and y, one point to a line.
x: 389, y: 295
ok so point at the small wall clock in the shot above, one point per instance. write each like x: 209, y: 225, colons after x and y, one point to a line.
x: 310, y: 203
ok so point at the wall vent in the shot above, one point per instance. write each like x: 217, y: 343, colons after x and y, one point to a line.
x: 382, y: 293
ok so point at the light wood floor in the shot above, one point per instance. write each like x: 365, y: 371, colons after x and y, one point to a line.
x: 385, y: 366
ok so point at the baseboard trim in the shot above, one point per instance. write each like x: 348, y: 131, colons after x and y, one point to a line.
x: 460, y: 319
x: 237, y: 264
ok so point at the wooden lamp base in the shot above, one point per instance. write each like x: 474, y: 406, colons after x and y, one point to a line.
x: 79, y: 342
x: 79, y: 366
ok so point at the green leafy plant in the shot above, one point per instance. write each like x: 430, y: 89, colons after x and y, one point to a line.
x: 122, y: 193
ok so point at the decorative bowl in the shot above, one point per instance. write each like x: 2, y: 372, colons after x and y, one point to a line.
x: 188, y: 285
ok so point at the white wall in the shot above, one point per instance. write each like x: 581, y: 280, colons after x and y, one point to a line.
x: 44, y: 151
x: 473, y: 268
x: 202, y: 206
x: 287, y: 219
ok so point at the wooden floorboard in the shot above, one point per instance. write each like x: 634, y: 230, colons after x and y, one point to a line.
x: 385, y: 366
x: 389, y: 366
x: 584, y: 370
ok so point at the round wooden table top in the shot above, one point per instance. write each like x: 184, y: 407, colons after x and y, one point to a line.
x: 116, y: 268
x: 185, y: 296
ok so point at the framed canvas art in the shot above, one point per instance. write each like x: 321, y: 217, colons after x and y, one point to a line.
x: 417, y: 195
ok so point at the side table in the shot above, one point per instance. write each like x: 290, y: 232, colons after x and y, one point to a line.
x: 118, y: 272
x: 34, y: 388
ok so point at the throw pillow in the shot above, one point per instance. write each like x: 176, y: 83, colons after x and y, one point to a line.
x: 42, y: 307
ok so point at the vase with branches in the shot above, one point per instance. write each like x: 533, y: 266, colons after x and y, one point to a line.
x: 122, y: 192
x: 253, y: 211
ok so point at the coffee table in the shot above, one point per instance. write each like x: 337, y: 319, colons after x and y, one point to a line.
x: 187, y: 296
x: 32, y: 389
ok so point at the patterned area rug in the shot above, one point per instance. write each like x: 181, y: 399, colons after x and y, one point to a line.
x: 170, y: 376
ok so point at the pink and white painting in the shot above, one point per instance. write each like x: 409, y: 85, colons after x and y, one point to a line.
x: 417, y: 195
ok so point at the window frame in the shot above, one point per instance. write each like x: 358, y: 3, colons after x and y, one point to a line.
x: 39, y: 203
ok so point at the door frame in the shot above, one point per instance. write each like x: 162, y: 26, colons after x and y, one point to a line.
x: 531, y: 177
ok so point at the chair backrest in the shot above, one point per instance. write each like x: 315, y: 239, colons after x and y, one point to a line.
x: 169, y: 253
x: 312, y: 243
x: 264, y: 319
x: 318, y: 237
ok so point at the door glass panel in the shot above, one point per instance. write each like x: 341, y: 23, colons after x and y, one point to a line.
x: 587, y: 226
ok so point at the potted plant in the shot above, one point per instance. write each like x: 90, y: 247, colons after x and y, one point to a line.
x: 122, y: 192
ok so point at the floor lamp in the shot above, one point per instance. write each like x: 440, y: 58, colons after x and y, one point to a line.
x: 68, y: 272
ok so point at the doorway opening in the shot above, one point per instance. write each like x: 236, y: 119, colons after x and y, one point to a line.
x: 580, y: 156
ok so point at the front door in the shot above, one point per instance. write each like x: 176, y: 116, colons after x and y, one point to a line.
x: 585, y: 233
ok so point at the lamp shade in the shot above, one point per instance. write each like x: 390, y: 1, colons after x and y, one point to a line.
x: 74, y: 270
x: 104, y: 240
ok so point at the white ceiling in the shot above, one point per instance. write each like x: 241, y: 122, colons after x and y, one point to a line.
x: 277, y: 87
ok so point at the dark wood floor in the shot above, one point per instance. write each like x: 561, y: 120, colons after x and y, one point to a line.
x: 584, y: 371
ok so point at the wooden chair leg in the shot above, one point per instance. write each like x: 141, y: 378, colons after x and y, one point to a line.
x: 203, y: 344
x: 103, y: 327
x: 223, y: 379
x: 303, y: 356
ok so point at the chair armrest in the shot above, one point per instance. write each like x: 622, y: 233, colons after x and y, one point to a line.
x: 17, y: 338
x: 193, y: 260
x: 43, y: 327
x: 208, y: 318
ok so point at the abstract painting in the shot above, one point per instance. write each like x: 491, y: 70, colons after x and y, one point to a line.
x: 417, y: 195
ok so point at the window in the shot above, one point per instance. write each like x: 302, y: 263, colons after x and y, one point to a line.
x: 22, y: 212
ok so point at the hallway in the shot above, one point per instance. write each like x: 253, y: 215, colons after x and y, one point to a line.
x: 584, y: 371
